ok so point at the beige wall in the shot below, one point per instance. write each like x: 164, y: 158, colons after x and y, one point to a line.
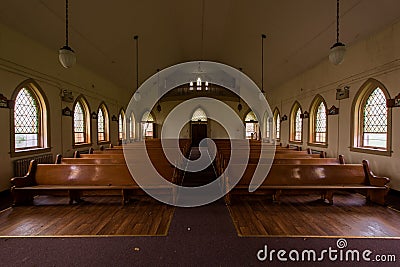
x: 22, y: 59
x: 377, y: 57
x: 214, y: 129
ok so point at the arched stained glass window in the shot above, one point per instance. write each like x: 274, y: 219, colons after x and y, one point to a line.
x: 79, y: 124
x: 27, y: 120
x: 320, y: 124
x: 371, y: 127
x: 102, y: 124
x: 277, y: 124
x: 252, y: 127
x: 121, y: 125
x: 318, y: 129
x: 375, y: 120
x: 296, y: 123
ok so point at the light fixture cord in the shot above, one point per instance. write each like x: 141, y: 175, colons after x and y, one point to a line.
x: 137, y: 61
x: 263, y: 36
x: 337, y: 21
x: 66, y: 23
x: 202, y: 29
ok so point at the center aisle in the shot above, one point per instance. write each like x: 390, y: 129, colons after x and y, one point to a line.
x: 206, y: 233
x: 193, y: 179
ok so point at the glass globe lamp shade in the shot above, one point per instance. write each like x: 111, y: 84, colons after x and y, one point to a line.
x: 137, y: 96
x: 336, y: 54
x: 67, y: 57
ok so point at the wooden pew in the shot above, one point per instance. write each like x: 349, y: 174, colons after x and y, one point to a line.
x: 306, y: 161
x: 223, y: 157
x: 77, y: 178
x: 324, y: 179
x: 88, y: 160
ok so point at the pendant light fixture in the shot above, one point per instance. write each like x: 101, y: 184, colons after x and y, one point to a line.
x: 262, y: 93
x: 66, y: 55
x: 338, y: 50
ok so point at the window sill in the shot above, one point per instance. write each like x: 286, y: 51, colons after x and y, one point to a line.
x: 380, y: 152
x: 318, y: 145
x: 28, y: 152
x: 82, y: 145
x: 296, y: 142
x: 103, y: 142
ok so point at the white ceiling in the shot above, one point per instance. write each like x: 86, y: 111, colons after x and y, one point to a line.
x: 299, y: 33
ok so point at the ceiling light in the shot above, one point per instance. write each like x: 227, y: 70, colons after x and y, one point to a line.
x: 336, y: 55
x: 66, y: 55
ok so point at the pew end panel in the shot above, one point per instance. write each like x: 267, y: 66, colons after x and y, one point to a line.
x: 20, y: 198
x: 377, y: 196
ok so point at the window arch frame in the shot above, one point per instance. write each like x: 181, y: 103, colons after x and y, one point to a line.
x: 315, y: 104
x: 144, y: 123
x: 357, y: 120
x: 255, y: 125
x: 106, y: 126
x: 277, y: 115
x: 44, y: 140
x: 87, y: 127
x: 292, y: 122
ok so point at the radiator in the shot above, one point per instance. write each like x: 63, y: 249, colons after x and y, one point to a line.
x: 21, y: 166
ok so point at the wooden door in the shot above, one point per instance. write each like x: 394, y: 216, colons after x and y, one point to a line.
x: 199, y: 132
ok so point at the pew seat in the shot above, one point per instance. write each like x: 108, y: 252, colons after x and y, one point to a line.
x: 75, y: 179
x: 324, y: 179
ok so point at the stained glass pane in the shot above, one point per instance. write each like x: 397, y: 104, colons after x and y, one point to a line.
x: 199, y: 115
x: 298, y: 126
x: 120, y: 127
x: 320, y: 124
x: 100, y: 125
x: 251, y: 116
x: 79, y: 124
x: 278, y: 126
x: 26, y: 120
x: 251, y: 130
x: 147, y: 117
x: 147, y: 129
x: 375, y: 120
x: 132, y: 127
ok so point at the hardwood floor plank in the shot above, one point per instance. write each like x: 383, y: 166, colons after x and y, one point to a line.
x: 306, y: 215
x: 104, y: 215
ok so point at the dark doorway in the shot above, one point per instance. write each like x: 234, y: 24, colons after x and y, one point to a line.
x: 199, y: 132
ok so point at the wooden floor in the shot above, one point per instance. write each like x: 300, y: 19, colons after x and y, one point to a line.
x: 298, y: 215
x: 301, y: 215
x: 51, y: 216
